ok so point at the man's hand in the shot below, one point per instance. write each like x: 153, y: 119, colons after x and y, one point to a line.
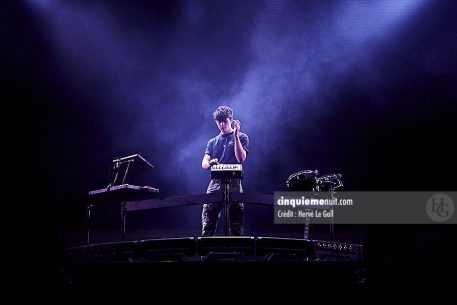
x: 214, y: 161
x: 236, y: 127
x: 207, y: 162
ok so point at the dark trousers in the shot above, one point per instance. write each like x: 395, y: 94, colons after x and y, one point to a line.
x: 212, y: 211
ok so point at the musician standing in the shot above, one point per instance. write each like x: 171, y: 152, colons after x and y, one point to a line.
x: 229, y: 147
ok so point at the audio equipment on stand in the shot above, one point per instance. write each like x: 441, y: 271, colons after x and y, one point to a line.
x: 120, y: 193
x: 226, y: 173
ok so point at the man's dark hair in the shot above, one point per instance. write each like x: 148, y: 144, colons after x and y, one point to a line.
x: 223, y: 112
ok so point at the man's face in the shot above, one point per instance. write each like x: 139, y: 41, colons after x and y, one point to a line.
x: 224, y: 125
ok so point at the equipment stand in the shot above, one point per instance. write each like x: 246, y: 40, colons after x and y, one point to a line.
x: 226, y: 192
x: 117, y: 170
x: 88, y: 224
x: 123, y: 216
x: 332, y: 222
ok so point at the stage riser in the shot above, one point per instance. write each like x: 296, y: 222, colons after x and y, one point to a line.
x: 245, y: 248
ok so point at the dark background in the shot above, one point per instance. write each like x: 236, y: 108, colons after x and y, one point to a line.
x: 362, y: 88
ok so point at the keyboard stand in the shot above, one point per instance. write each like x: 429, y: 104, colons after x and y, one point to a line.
x: 226, y: 191
x: 226, y: 172
x: 115, y: 195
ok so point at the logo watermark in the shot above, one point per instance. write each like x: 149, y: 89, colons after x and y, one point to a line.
x: 365, y: 207
x: 440, y: 207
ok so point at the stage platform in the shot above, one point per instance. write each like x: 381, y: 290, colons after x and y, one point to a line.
x: 194, y: 260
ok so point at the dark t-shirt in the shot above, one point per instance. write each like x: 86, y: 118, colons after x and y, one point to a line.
x: 222, y: 147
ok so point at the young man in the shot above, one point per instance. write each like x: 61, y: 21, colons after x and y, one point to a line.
x: 229, y: 147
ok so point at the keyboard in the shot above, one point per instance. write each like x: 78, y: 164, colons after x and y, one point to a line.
x: 227, y: 171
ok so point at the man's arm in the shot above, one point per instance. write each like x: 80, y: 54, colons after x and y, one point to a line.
x: 240, y: 153
x: 207, y: 162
